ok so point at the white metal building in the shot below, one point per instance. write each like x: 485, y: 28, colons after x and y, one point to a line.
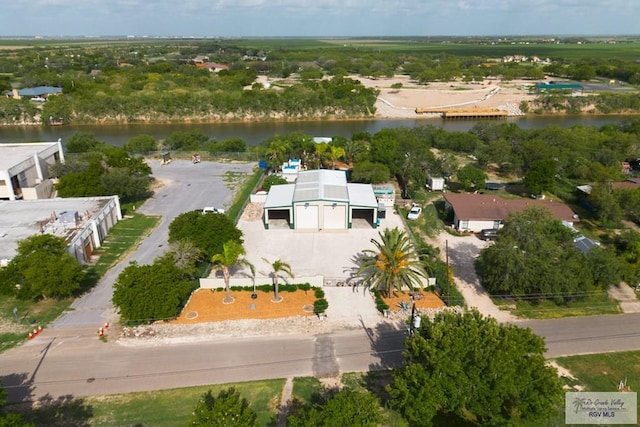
x: 83, y: 222
x: 319, y: 200
x: 24, y: 169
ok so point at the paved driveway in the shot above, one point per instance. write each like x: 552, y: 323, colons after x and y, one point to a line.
x: 183, y: 186
x: 328, y: 253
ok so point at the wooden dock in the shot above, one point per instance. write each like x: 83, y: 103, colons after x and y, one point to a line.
x: 465, y: 113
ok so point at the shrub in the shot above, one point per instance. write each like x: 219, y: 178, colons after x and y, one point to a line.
x: 318, y: 292
x: 320, y: 306
x: 380, y: 304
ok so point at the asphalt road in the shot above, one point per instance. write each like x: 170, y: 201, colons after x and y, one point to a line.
x: 75, y: 362
x: 185, y: 186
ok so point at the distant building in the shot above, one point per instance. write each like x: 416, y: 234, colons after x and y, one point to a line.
x: 558, y: 86
x: 24, y: 169
x: 36, y: 93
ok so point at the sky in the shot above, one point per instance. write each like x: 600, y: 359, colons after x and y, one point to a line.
x: 318, y: 18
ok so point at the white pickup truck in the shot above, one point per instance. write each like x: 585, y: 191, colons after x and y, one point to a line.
x: 208, y: 209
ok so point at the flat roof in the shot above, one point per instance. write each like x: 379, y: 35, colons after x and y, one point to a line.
x: 20, y: 219
x: 279, y: 196
x: 361, y: 195
x: 13, y: 154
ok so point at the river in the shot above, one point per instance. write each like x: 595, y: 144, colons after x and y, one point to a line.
x: 254, y: 133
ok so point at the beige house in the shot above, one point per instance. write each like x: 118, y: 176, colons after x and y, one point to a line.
x: 24, y: 169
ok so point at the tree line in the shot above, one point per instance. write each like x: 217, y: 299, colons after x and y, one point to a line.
x: 161, y: 83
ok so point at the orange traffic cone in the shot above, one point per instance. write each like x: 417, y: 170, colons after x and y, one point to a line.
x: 35, y: 332
x: 106, y: 325
x: 100, y: 332
x: 30, y: 336
x: 39, y: 328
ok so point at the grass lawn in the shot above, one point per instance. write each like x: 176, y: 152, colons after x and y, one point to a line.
x: 156, y: 408
x: 594, y: 305
x: 604, y: 372
x: 122, y: 238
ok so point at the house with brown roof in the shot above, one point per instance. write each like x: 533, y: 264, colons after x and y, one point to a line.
x: 475, y: 212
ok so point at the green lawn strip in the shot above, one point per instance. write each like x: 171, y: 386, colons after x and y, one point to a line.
x: 160, y: 408
x: 601, y: 372
x: 122, y: 238
x: 242, y: 196
x: 546, y: 309
x: 604, y: 371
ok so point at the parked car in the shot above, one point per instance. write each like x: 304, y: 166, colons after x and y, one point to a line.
x: 414, y: 213
x: 489, y: 234
x: 212, y: 209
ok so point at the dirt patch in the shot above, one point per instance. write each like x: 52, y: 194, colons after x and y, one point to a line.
x: 252, y: 212
x: 428, y: 300
x: 206, y: 305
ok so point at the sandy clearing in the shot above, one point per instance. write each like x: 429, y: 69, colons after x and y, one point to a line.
x: 394, y: 103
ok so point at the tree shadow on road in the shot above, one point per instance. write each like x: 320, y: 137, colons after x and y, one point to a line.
x: 45, y: 411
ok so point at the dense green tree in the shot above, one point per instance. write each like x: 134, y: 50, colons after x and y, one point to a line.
x: 604, y: 203
x: 193, y: 140
x: 82, y: 142
x: 129, y: 187
x: 86, y: 183
x: 42, y: 268
x: 535, y: 257
x: 228, y: 408
x: 346, y: 407
x: 471, y: 177
x: 232, y: 255
x: 208, y: 232
x: 151, y: 292
x: 272, y: 180
x: 627, y: 246
x: 278, y: 267
x: 393, y: 265
x: 541, y: 176
x: 370, y: 173
x: 141, y: 144
x: 471, y: 367
x: 232, y: 145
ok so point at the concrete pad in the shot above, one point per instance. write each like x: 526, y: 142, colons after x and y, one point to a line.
x: 329, y: 253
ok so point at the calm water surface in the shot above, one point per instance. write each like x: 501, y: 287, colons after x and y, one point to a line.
x: 254, y: 133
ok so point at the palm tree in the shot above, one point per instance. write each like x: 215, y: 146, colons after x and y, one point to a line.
x: 278, y: 266
x: 231, y: 256
x: 393, y: 265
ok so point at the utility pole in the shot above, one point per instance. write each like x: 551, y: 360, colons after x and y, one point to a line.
x: 446, y: 252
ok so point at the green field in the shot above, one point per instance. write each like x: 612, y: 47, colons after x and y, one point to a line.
x: 491, y: 47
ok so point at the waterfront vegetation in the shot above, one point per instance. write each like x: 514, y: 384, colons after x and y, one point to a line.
x: 153, y: 81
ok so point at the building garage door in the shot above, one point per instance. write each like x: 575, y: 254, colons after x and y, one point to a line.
x: 306, y: 216
x: 335, y: 217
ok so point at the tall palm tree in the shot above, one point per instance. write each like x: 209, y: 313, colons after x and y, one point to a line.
x: 231, y: 256
x: 278, y: 266
x: 394, y: 263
